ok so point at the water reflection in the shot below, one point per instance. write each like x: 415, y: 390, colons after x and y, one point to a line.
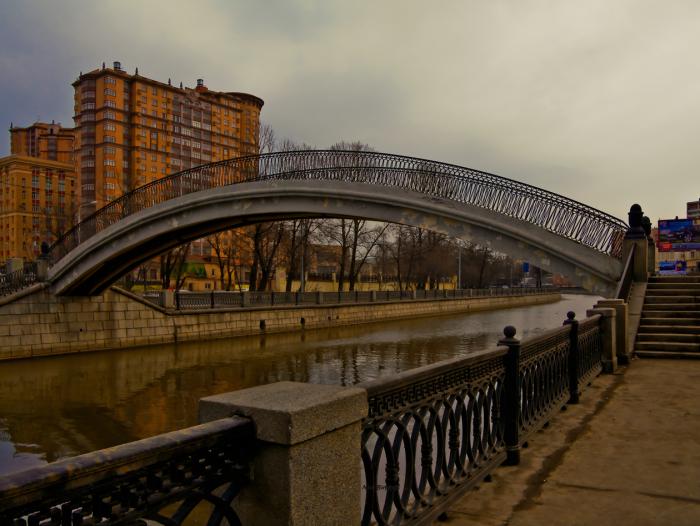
x: 52, y: 408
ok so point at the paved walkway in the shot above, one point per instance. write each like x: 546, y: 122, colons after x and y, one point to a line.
x: 628, y: 454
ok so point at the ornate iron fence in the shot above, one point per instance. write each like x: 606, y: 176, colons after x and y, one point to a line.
x: 228, y: 299
x: 433, y: 433
x: 552, y: 212
x: 19, y: 279
x: 166, y: 479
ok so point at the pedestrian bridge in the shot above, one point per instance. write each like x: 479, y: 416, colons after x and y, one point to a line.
x: 551, y: 231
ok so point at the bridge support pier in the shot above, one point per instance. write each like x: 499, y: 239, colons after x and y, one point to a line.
x: 608, y: 337
x: 308, y: 438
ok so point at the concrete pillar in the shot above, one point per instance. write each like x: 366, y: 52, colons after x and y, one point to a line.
x: 244, y: 299
x: 306, y: 469
x: 651, y: 256
x: 636, y: 237
x: 621, y: 323
x: 42, y: 269
x: 167, y: 299
x: 608, y: 337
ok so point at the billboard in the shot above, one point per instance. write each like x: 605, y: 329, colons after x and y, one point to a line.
x: 678, y: 235
x: 673, y: 267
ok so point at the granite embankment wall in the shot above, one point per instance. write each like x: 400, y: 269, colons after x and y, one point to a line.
x: 40, y: 324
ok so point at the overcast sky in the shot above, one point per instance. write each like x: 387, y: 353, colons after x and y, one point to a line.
x: 597, y: 100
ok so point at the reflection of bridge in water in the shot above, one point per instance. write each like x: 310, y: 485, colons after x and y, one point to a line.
x: 552, y: 231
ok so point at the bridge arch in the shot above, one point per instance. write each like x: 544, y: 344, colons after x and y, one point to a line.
x: 551, y: 231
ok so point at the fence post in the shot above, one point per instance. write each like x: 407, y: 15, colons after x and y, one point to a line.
x: 573, y: 357
x: 373, y: 296
x: 177, y: 300
x: 296, y: 298
x: 212, y: 299
x: 511, y: 407
x: 272, y: 298
x: 319, y: 297
x: 306, y: 464
x: 244, y: 299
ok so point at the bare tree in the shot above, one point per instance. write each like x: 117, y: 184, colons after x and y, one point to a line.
x: 173, y: 261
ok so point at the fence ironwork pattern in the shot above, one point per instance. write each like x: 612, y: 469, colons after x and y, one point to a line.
x: 434, y: 432
x: 229, y: 299
x: 552, y: 212
x: 19, y: 279
x: 166, y: 479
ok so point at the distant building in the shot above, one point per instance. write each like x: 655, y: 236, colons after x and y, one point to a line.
x: 694, y: 210
x: 50, y: 142
x: 38, y: 201
x: 133, y: 130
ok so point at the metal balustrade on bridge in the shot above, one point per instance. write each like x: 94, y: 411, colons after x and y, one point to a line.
x: 429, y: 435
x: 192, y: 301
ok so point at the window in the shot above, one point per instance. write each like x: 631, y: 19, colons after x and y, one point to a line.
x: 109, y: 186
x: 108, y: 115
x: 87, y: 117
x: 88, y: 106
x: 109, y: 126
x: 110, y: 92
x: 109, y: 138
x: 109, y: 150
x: 109, y: 162
x: 110, y: 104
x: 196, y: 124
x: 110, y: 80
x: 154, y: 90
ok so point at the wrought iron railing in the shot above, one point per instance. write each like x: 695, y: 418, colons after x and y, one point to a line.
x: 193, y: 473
x: 19, y: 279
x: 552, y: 212
x: 433, y: 433
x: 229, y: 299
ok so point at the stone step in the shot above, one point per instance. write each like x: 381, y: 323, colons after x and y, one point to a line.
x: 670, y: 314
x: 668, y: 354
x: 667, y: 346
x: 669, y: 337
x: 684, y: 299
x: 683, y: 322
x: 674, y: 279
x: 665, y: 328
x: 672, y: 289
x: 687, y: 307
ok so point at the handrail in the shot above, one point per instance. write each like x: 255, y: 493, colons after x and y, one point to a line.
x: 625, y: 284
x: 552, y: 212
x: 134, y: 480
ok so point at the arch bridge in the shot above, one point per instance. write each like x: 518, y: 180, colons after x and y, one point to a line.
x: 547, y: 229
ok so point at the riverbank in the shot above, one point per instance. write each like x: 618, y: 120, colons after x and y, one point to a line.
x: 40, y: 324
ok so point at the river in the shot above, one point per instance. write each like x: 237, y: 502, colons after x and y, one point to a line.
x: 56, y: 407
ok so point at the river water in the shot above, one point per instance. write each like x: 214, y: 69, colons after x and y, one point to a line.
x: 52, y: 408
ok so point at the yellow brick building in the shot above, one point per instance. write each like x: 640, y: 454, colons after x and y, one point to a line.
x: 38, y: 201
x: 132, y: 130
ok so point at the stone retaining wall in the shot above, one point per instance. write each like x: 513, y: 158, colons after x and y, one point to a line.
x: 39, y: 323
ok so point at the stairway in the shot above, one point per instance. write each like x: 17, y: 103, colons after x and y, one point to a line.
x: 670, y: 321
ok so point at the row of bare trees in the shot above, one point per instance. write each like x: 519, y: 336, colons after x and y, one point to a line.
x: 411, y: 258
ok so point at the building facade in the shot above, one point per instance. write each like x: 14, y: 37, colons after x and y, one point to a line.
x: 132, y: 130
x: 38, y: 201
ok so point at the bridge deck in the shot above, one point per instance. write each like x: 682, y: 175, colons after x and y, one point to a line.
x: 628, y: 454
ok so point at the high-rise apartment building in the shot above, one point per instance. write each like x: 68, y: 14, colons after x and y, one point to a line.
x: 132, y: 130
x: 38, y: 189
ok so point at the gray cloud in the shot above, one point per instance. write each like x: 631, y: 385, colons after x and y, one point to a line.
x: 595, y: 100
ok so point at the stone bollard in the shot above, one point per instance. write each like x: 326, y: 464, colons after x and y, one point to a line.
x: 245, y: 301
x: 621, y: 322
x: 167, y: 299
x: 306, y: 470
x: 608, y: 337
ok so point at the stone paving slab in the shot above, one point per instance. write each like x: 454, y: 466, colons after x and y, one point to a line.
x: 628, y: 454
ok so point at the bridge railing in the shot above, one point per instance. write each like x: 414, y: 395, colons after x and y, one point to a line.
x: 429, y: 435
x: 547, y: 210
x: 187, y: 301
x: 164, y: 479
x: 434, y: 432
